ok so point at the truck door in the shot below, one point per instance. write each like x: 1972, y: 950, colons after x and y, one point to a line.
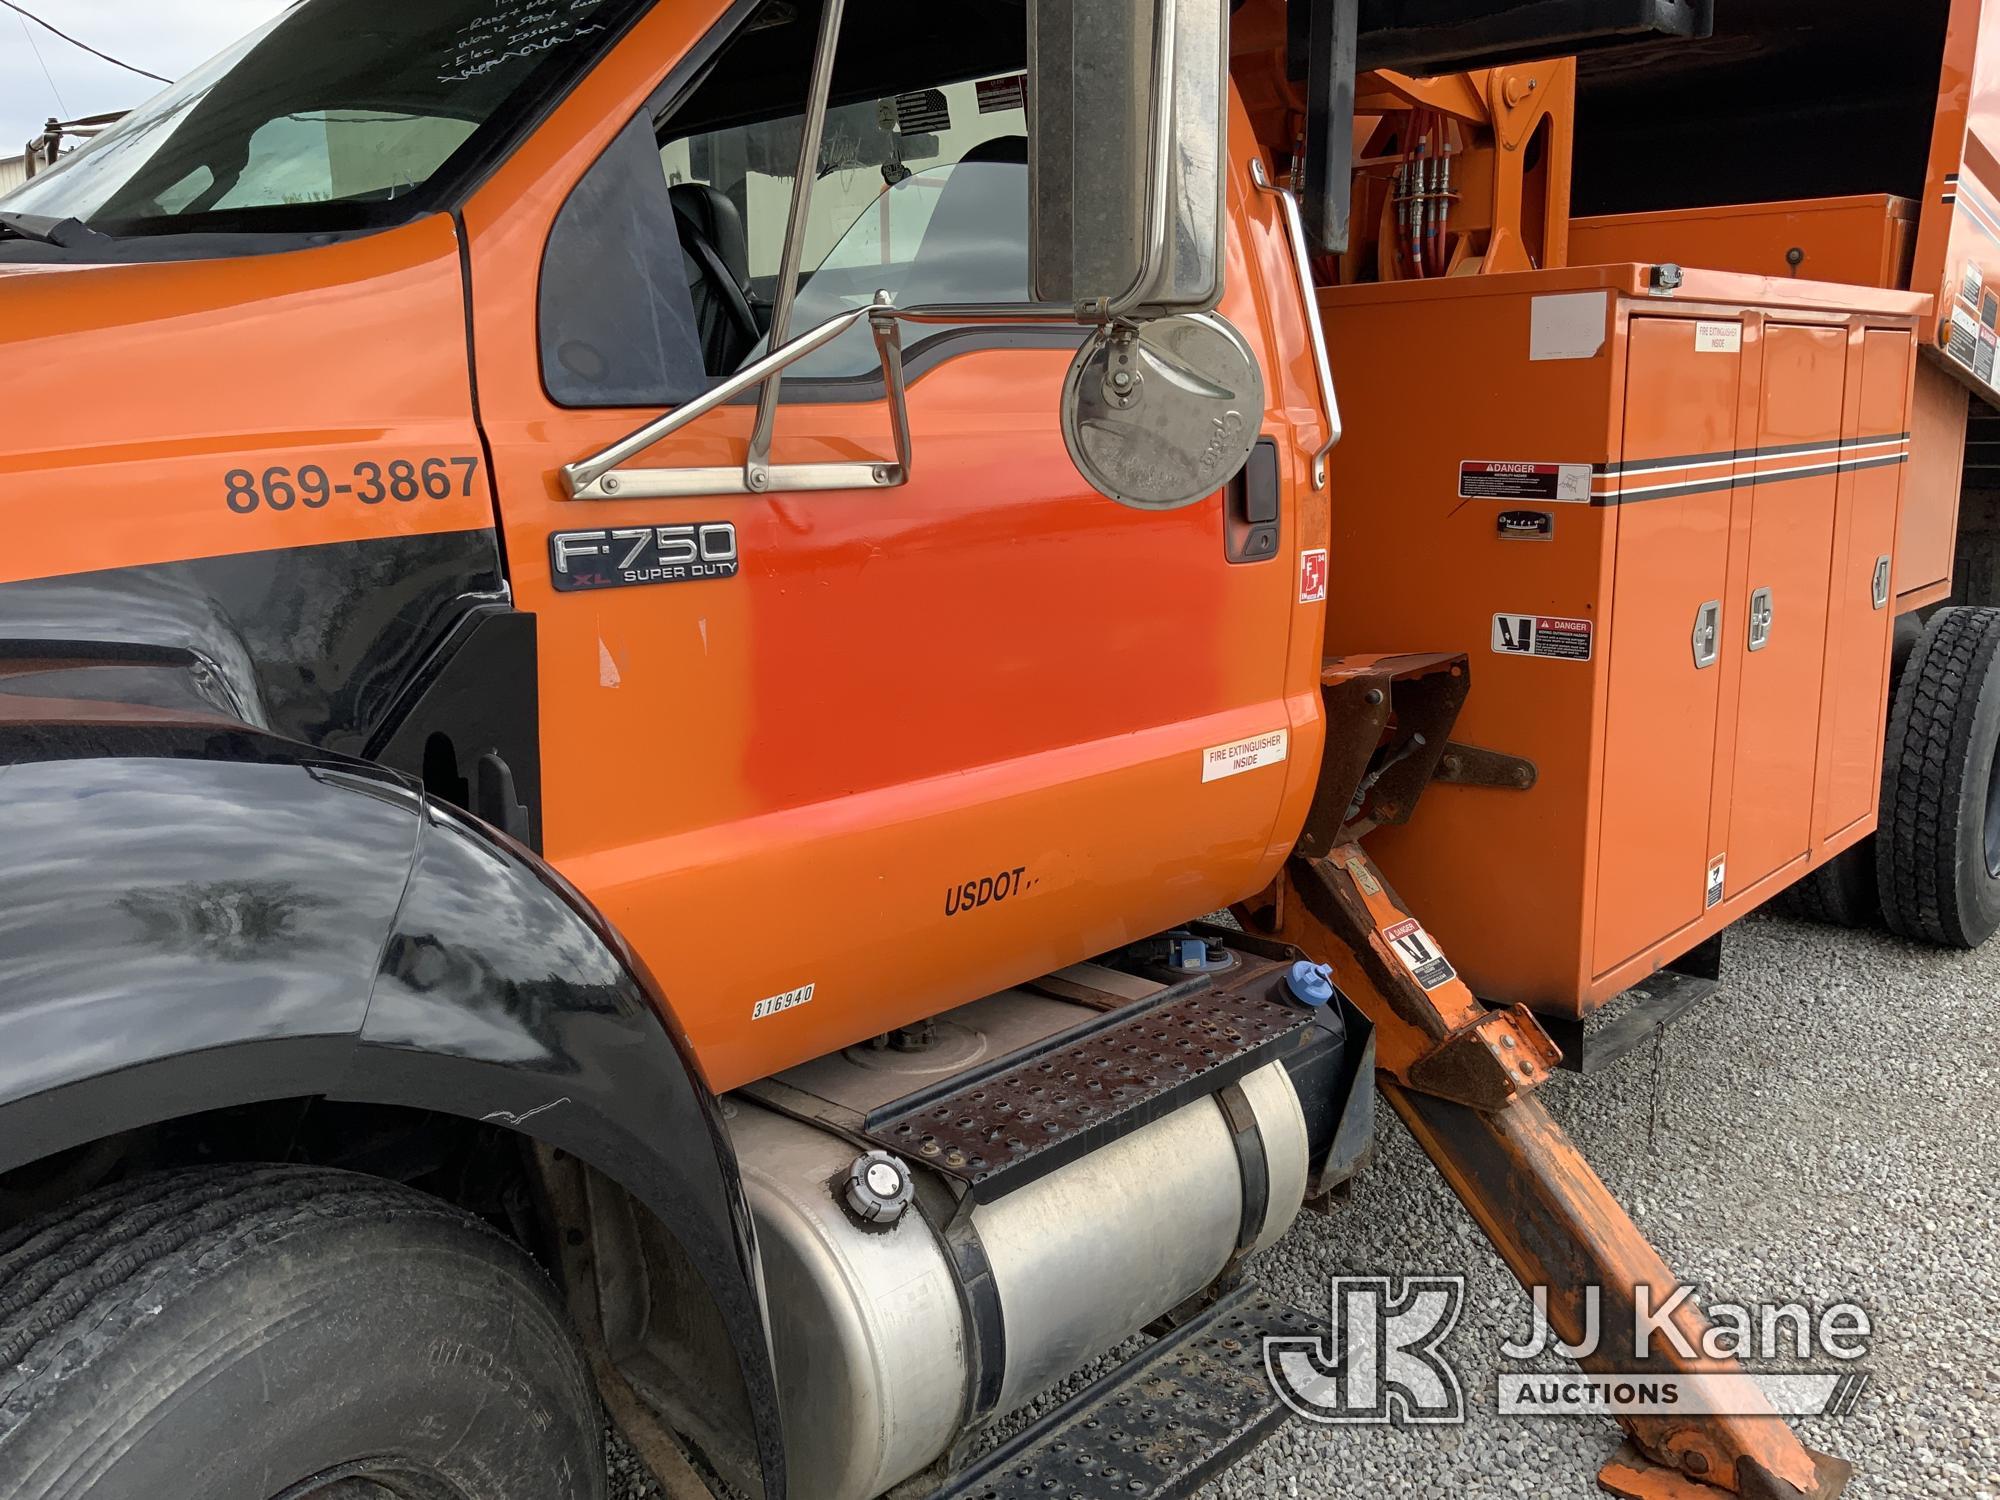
x: 835, y: 759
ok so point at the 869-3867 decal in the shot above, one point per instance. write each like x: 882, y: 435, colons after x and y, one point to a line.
x: 619, y: 556
x: 370, y: 481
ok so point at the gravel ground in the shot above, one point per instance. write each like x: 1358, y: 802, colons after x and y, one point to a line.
x: 1827, y: 1130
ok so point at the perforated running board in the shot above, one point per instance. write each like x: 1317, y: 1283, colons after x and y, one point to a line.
x: 1020, y: 1119
x: 1159, y: 1426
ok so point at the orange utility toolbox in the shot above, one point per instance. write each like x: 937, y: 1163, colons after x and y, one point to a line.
x: 1866, y: 239
x: 1658, y: 510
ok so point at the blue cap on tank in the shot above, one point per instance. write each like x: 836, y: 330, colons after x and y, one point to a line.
x: 1310, y: 983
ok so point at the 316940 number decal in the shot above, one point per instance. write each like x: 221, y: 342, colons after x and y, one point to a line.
x: 313, y: 487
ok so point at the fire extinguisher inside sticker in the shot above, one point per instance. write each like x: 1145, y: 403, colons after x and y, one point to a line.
x: 1713, y: 893
x: 1419, y: 952
x: 1563, y: 637
x: 1718, y: 336
x: 1494, y: 479
x: 1219, y: 761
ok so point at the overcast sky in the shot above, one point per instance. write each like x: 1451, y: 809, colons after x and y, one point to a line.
x: 167, y: 37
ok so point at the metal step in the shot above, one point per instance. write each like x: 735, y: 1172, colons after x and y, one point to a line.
x: 1161, y: 1425
x: 1003, y: 1125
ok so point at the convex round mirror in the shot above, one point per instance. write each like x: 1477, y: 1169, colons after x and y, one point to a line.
x: 1163, y: 414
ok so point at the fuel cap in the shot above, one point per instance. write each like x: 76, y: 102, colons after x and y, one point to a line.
x: 1310, y: 983
x: 878, y: 1188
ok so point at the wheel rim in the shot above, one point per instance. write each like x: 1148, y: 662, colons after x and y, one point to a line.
x: 1992, y: 828
x: 372, y: 1479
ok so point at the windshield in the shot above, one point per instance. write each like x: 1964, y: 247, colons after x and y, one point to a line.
x: 339, y: 114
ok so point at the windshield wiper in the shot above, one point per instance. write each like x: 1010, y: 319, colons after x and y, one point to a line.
x: 65, y: 234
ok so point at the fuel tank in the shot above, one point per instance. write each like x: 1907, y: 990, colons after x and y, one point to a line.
x: 876, y: 1363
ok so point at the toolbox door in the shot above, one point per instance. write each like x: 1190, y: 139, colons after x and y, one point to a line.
x: 1863, y: 606
x: 1672, y: 496
x: 1782, y: 646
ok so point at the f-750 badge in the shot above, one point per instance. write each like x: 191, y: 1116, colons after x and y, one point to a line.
x: 622, y: 555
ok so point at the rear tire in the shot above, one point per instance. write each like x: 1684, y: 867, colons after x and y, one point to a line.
x: 278, y: 1333
x: 1840, y: 893
x: 1846, y: 890
x: 1937, y: 849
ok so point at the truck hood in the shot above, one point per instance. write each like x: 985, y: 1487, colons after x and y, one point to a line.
x: 139, y: 387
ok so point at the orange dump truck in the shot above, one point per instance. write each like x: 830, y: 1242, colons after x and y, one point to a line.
x: 615, y: 744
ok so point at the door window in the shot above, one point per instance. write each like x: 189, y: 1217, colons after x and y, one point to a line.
x: 921, y: 189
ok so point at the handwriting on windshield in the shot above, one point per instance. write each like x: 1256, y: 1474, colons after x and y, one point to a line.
x: 515, y: 29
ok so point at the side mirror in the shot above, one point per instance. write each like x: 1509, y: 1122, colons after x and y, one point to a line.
x: 1128, y: 116
x: 1128, y: 106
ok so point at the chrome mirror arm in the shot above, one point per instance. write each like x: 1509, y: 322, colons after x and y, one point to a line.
x: 593, y: 478
x: 1295, y: 231
x: 756, y: 460
x: 603, y: 477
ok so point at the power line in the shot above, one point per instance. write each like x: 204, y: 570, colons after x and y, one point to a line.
x: 29, y: 36
x: 115, y: 62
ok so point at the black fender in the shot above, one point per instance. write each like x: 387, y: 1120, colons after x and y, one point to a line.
x: 196, y: 913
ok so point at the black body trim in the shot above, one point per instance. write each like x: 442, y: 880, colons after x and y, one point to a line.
x: 468, y: 723
x: 313, y: 643
x: 195, y: 914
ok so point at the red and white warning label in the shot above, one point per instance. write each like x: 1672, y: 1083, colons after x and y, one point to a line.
x: 1420, y: 953
x: 1491, y: 479
x: 1563, y: 637
x: 1312, y: 575
x: 997, y: 95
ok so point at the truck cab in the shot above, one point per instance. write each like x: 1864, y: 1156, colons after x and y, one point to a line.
x: 455, y: 782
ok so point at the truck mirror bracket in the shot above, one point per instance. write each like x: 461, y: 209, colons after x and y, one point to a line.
x: 1295, y: 232
x: 602, y: 476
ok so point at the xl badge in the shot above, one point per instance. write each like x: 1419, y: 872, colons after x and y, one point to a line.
x: 622, y: 555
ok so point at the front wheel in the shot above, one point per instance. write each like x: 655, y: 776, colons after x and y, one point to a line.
x: 284, y: 1333
x: 1937, y: 849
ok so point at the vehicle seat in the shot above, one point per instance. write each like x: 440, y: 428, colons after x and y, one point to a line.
x: 975, y: 247
x: 718, y: 269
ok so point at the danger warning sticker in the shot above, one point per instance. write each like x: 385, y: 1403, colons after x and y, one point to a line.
x: 1490, y: 479
x: 1420, y: 954
x: 1559, y: 636
x: 1711, y: 892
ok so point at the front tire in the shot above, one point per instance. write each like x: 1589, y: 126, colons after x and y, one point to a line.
x: 284, y: 1333
x: 1937, y: 848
